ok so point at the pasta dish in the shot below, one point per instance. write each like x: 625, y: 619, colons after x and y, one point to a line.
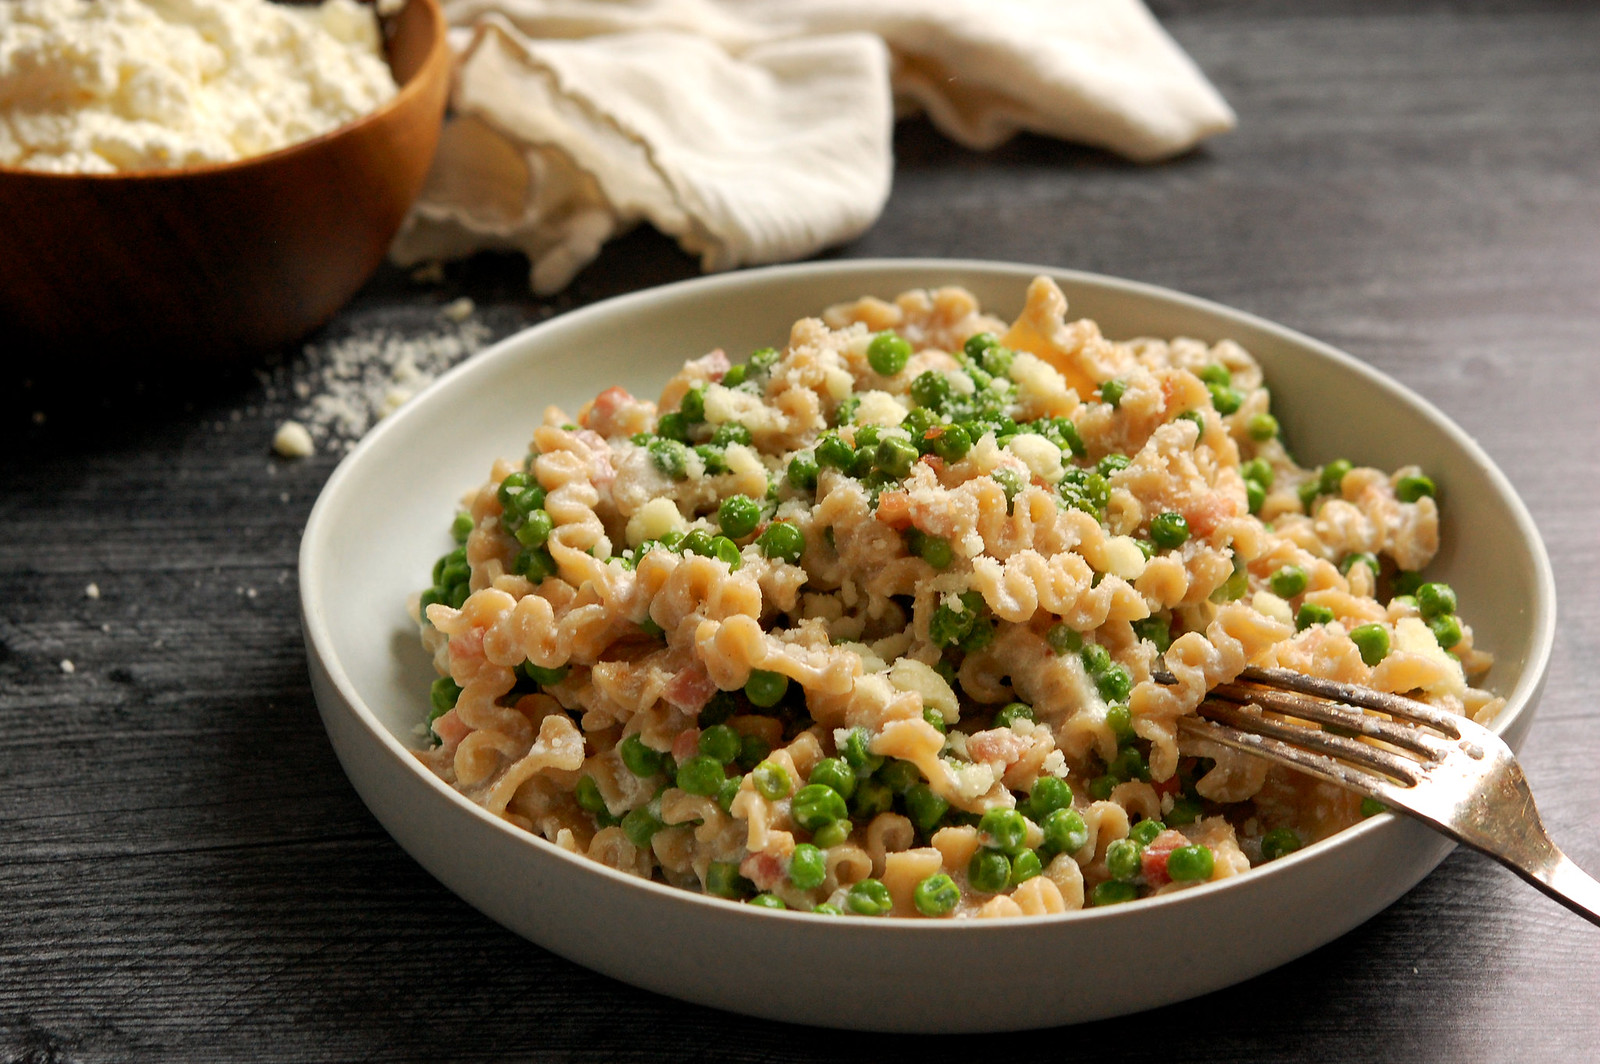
x: 867, y: 625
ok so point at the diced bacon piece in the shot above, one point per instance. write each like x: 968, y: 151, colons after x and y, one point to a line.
x: 713, y: 365
x: 933, y: 462
x: 1171, y: 785
x: 686, y: 745
x: 607, y: 410
x: 762, y: 869
x: 690, y: 689
x: 1206, y: 514
x: 1153, y: 862
x: 894, y: 509
x: 450, y: 729
x: 997, y: 746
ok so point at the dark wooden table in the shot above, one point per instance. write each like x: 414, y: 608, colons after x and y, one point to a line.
x: 185, y: 874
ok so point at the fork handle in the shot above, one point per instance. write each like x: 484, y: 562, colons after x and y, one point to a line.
x: 1568, y: 884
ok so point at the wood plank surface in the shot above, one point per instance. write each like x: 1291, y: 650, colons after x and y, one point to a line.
x: 186, y: 875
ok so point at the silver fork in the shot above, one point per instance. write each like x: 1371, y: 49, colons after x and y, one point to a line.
x: 1441, y: 768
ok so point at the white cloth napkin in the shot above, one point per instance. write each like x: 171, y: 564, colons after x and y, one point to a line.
x: 757, y: 131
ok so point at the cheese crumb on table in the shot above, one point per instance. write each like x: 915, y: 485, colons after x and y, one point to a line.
x: 293, y: 440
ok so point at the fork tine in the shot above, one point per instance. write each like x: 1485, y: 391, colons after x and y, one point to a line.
x: 1321, y: 711
x: 1356, y: 779
x: 1317, y: 741
x: 1364, y: 697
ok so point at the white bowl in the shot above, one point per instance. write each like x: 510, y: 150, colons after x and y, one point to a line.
x: 383, y: 517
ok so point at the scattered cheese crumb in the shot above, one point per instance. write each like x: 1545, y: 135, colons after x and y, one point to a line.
x: 68, y: 667
x: 459, y: 310
x: 92, y: 591
x: 293, y: 440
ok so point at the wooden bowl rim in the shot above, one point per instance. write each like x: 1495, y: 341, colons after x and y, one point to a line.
x: 438, y: 56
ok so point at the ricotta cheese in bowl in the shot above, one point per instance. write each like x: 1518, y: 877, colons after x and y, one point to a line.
x: 114, y: 86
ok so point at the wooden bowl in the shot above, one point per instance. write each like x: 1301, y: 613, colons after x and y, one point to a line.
x: 208, y: 263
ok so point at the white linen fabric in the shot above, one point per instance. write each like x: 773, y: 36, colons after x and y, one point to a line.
x: 758, y: 131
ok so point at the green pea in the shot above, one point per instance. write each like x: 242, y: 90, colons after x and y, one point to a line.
x: 1096, y: 658
x: 697, y: 541
x: 931, y: 389
x: 1435, y: 600
x: 1255, y: 496
x: 1278, y: 842
x: 948, y: 626
x: 935, y: 719
x: 978, y: 344
x: 1187, y: 864
x: 587, y: 792
x: 1157, y: 629
x: 763, y: 359
x: 950, y: 442
x: 640, y: 825
x: 888, y: 353
x: 453, y: 569
x: 735, y: 376
x: 827, y: 910
x: 1262, y: 427
x: 544, y: 677
x: 1184, y: 811
x: 1350, y: 561
x: 1308, y: 493
x: 816, y: 804
x: 720, y: 742
x: 1114, y: 684
x: 767, y: 901
x: 855, y: 752
x: 1050, y: 793
x: 1063, y: 640
x: 673, y: 426
x: 701, y: 774
x: 718, y: 709
x: 834, y: 452
x: 771, y: 781
x: 1145, y: 831
x: 808, y: 867
x: 1331, y: 479
x: 900, y: 776
x: 1224, y: 399
x: 510, y: 487
x: 461, y: 527
x: 459, y: 593
x: 831, y: 833
x: 1120, y: 721
x: 845, y: 412
x: 536, y: 528
x: 782, y: 541
x: 766, y: 689
x: 639, y: 759
x: 670, y: 457
x: 1447, y: 630
x: 1123, y: 859
x: 1010, y: 482
x: 1288, y: 581
x: 715, y: 459
x: 1214, y: 373
x: 871, y: 798
x: 738, y: 515
x: 937, y: 895
x: 1111, y: 393
x: 895, y: 456
x: 1129, y: 764
x: 442, y: 696
x: 728, y: 792
x: 730, y: 432
x: 1372, y: 807
x: 1064, y: 831
x: 868, y: 897
x: 1003, y: 829
x: 1025, y: 866
x: 693, y: 404
x: 724, y: 881
x: 803, y: 471
x: 1412, y: 488
x: 726, y: 551
x: 1311, y: 613
x: 998, y: 359
x: 834, y: 772
x: 536, y: 563
x: 1111, y: 892
x: 1407, y: 582
x: 1258, y: 470
x: 1373, y: 642
x: 1169, y: 530
x: 1012, y: 713
x: 989, y: 871
x: 924, y: 808
x: 1199, y: 421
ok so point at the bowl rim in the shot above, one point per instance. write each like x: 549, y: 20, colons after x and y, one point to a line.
x: 1520, y: 701
x: 438, y: 55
